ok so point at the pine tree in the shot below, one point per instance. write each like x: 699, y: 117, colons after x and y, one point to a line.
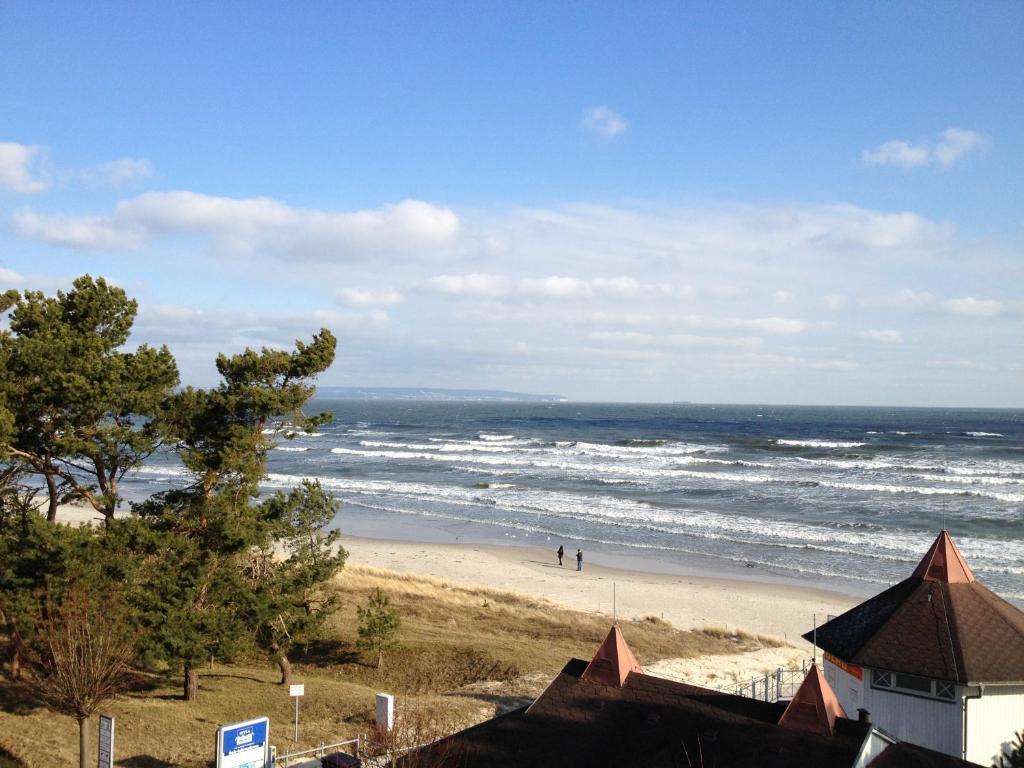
x: 80, y: 411
x: 294, y: 596
x: 1014, y: 757
x: 207, y: 603
x: 378, y: 625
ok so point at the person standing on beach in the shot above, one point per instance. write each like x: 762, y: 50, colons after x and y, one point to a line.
x: 579, y: 559
x: 561, y: 551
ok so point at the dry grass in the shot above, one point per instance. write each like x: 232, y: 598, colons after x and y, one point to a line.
x: 468, y: 651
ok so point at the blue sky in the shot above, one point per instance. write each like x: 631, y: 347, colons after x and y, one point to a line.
x: 817, y: 202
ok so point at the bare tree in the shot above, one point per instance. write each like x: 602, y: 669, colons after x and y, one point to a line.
x: 83, y: 656
x: 418, y: 738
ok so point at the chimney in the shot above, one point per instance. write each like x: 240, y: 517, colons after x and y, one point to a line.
x: 863, y: 716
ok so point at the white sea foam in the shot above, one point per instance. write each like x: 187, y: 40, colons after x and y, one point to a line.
x: 495, y: 438
x: 291, y: 448
x: 819, y: 443
x: 928, y: 491
x: 984, y: 434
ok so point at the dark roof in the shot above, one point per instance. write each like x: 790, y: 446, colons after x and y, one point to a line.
x: 907, y: 755
x: 938, y: 623
x: 648, y: 722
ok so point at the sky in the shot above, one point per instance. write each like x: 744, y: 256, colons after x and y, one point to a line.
x: 807, y: 202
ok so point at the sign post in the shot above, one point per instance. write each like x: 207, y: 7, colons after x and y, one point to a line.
x: 244, y: 745
x: 296, y: 692
x: 106, y: 758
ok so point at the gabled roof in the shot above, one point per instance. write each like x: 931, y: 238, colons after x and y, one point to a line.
x: 940, y: 622
x: 613, y: 661
x: 814, y: 707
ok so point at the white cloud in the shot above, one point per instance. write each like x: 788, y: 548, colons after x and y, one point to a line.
x: 955, y: 143
x: 10, y: 278
x: 903, y: 299
x: 367, y: 297
x: 252, y: 226
x: 554, y: 287
x: 882, y: 336
x: 602, y: 121
x: 24, y: 170
x: 477, y: 286
x: 19, y: 169
x: 832, y: 365
x: 125, y: 170
x: 952, y: 145
x: 972, y: 307
x: 87, y: 232
x: 674, y: 340
x: 782, y: 296
x: 833, y: 301
x: 953, y: 364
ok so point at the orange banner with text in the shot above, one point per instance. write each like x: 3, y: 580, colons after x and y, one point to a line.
x: 850, y: 669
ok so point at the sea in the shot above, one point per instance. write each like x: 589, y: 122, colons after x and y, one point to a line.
x: 836, y: 497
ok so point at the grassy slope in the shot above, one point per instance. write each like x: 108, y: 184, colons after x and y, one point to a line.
x: 451, y: 637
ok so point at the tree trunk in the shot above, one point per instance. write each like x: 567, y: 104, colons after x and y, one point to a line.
x: 286, y: 669
x: 15, y: 659
x: 83, y: 742
x: 51, y: 489
x: 191, y: 683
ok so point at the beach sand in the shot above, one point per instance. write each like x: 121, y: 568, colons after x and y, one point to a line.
x: 688, y: 602
x: 783, y: 611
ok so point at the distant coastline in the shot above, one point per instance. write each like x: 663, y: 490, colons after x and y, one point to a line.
x: 430, y: 394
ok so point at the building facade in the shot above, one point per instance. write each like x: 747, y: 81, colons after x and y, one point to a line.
x: 936, y: 660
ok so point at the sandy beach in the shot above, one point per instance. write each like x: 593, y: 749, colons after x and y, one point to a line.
x: 686, y: 601
x: 783, y: 611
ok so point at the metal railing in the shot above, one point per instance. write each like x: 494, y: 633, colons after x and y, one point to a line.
x: 284, y: 760
x: 771, y: 686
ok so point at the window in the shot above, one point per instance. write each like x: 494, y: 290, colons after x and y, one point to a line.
x: 902, y: 682
x: 912, y: 683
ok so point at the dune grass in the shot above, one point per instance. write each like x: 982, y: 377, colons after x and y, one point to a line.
x: 469, y: 651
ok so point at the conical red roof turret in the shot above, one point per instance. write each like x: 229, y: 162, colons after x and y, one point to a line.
x: 814, y: 708
x: 612, y: 662
x: 943, y: 562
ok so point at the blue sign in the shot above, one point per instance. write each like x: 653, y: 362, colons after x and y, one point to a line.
x: 243, y: 745
x: 245, y: 737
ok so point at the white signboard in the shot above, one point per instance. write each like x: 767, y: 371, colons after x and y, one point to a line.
x: 297, y: 690
x: 106, y: 759
x: 385, y: 711
x: 244, y: 745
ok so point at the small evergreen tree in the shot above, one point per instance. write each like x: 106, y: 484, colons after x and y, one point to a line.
x: 1014, y: 758
x: 378, y: 625
x: 293, y: 597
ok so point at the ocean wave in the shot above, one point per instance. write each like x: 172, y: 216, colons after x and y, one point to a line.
x: 495, y: 438
x: 880, y: 488
x: 984, y: 434
x: 969, y: 479
x: 819, y: 443
x: 291, y: 449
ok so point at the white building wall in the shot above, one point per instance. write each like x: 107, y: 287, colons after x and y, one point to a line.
x: 847, y: 688
x: 928, y: 723
x: 992, y: 721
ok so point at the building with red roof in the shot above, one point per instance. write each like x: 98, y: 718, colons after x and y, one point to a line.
x: 937, y: 659
x: 609, y: 712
